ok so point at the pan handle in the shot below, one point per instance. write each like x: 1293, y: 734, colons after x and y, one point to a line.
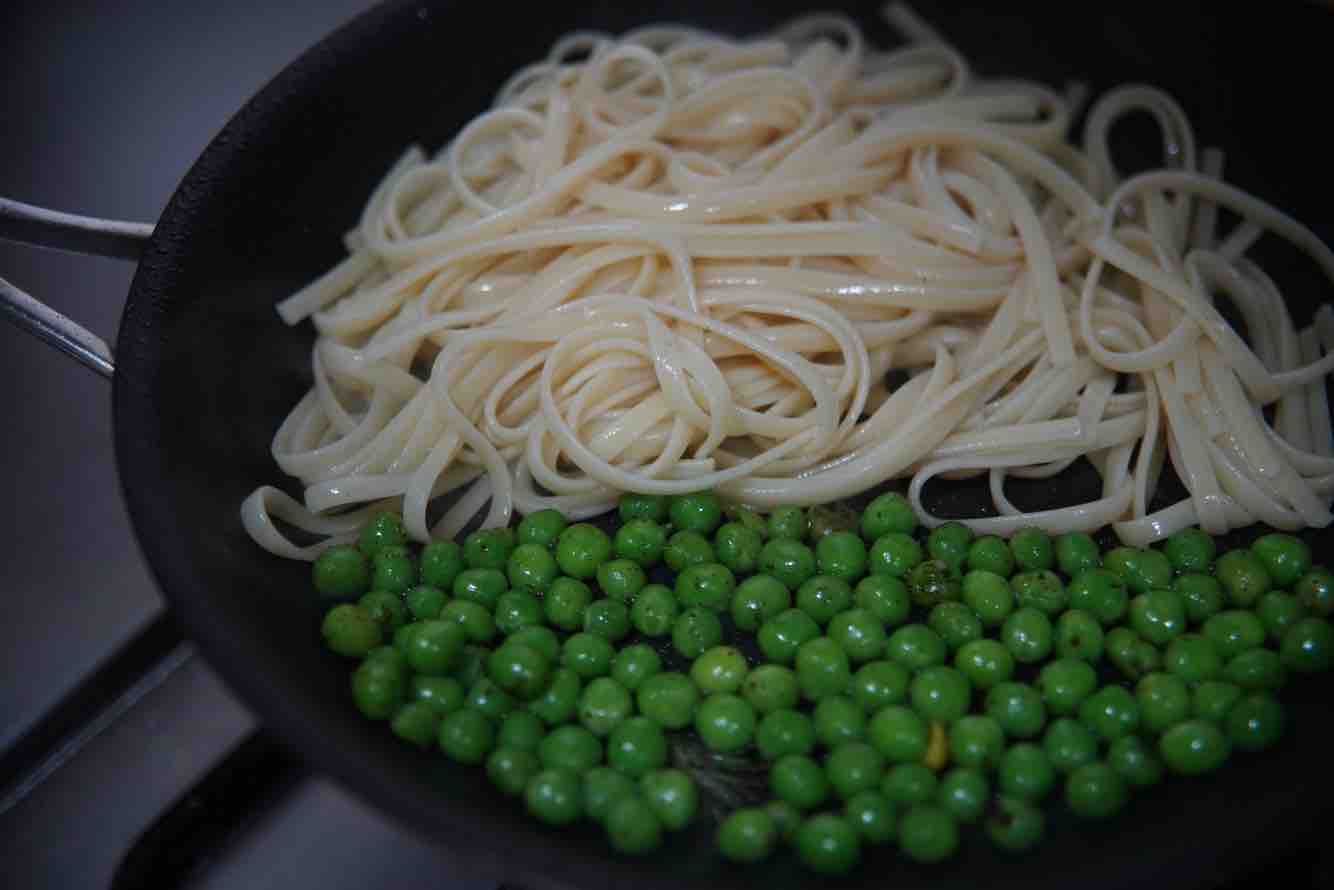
x: 65, y: 231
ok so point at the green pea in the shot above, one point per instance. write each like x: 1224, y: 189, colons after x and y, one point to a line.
x: 341, y: 571
x: 949, y: 543
x: 1135, y: 761
x: 890, y: 512
x: 520, y: 731
x: 928, y: 834
x: 719, y: 669
x: 771, y: 687
x: 1100, y: 593
x: 379, y: 687
x: 602, y: 787
x: 1193, y: 658
x: 1279, y: 611
x: 941, y: 693
x: 1233, y: 632
x: 542, y: 527
x: 1028, y: 634
x: 554, y: 796
x: 1069, y: 744
x: 1079, y: 635
x: 854, y: 767
x: 642, y: 506
x: 885, y: 597
x: 1096, y: 791
x: 424, y: 601
x: 791, y: 562
x: 1190, y: 550
x: 990, y: 553
x: 488, y: 699
x: 635, y: 664
x: 519, y: 670
x: 672, y: 795
x: 480, y: 586
x: 565, y: 601
x: 1076, y: 552
x: 607, y: 618
x: 916, y: 646
x: 1018, y: 708
x: 985, y: 663
x: 695, y: 631
x: 1285, y: 557
x: 1164, y: 701
x: 570, y: 747
x: 782, y: 636
x: 440, y: 564
x: 879, y: 683
x: 1040, y: 589
x: 351, y: 630
x: 899, y: 734
x: 1065, y: 683
x: 838, y: 720
x: 955, y: 623
x: 1308, y: 646
x: 910, y: 783
x: 685, y: 549
x: 1213, y: 700
x: 603, y: 705
x: 872, y: 815
x: 538, y: 637
x: 393, y: 569
x: 757, y: 599
x: 1141, y: 570
x: 621, y: 579
x: 588, y: 655
x: 654, y: 611
x: 860, y: 635
x: 488, y: 548
x: 1026, y: 772
x: 1193, y: 747
x: 637, y: 746
x: 669, y: 698
x: 1201, y: 594
x: 1243, y: 576
x: 1158, y: 616
x: 788, y: 522
x: 989, y: 595
x: 842, y: 555
x: 976, y: 741
x: 561, y: 700
x: 738, y: 547
x: 822, y: 668
x: 466, y: 736
x: 531, y: 567
x: 1032, y: 550
x: 709, y: 585
x: 1256, y: 669
x: 1255, y: 722
x: 783, y: 732
x: 1316, y: 591
x: 699, y: 512
x: 747, y: 835
x: 823, y: 596
x: 827, y: 844
x: 580, y: 549
x: 1130, y: 653
x: 799, y: 780
x: 642, y: 541
x: 895, y: 554
x: 383, y: 530
x: 933, y: 581
x: 1015, y: 825
x: 511, y: 770
x: 517, y: 609
x: 442, y: 694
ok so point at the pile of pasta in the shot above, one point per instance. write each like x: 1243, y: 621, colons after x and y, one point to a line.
x: 673, y: 260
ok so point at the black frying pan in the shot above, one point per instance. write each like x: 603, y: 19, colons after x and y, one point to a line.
x: 205, y: 371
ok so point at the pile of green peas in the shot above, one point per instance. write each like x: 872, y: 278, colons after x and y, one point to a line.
x: 897, y: 685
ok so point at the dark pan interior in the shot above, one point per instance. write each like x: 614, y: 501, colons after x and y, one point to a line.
x: 206, y: 372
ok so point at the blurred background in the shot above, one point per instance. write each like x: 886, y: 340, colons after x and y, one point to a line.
x: 106, y: 716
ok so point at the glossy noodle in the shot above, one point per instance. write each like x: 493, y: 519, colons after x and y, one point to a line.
x: 689, y: 262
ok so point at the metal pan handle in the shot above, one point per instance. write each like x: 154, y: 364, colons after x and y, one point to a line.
x: 65, y: 231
